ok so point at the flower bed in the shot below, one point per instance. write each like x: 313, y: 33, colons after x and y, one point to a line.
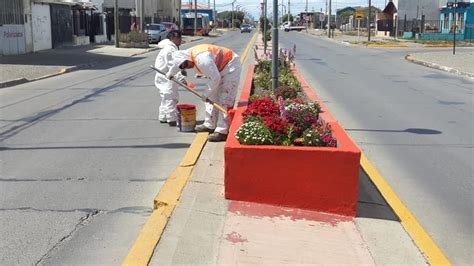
x: 317, y: 178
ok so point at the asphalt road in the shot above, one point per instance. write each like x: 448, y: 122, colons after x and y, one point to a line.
x: 414, y: 123
x: 82, y: 157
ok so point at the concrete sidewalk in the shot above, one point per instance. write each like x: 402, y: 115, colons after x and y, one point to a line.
x: 461, y: 63
x: 19, y: 69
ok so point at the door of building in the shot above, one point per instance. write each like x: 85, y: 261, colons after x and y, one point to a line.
x: 61, y: 25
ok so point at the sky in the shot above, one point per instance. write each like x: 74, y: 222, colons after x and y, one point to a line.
x: 296, y: 6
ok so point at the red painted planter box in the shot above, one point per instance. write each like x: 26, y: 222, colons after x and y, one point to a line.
x: 316, y: 178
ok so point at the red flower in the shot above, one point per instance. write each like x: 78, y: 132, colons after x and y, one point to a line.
x: 263, y: 108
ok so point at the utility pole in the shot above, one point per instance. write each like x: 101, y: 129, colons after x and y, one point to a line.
x: 275, y: 49
x: 265, y: 26
x: 289, y: 13
x: 329, y: 20
x: 455, y: 26
x: 179, y: 14
x: 232, y: 26
x: 142, y: 13
x: 368, y: 20
x: 195, y: 17
x: 116, y: 23
x: 214, y: 15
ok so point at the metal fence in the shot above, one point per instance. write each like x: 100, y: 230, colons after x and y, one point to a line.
x: 11, y: 12
x: 420, y: 26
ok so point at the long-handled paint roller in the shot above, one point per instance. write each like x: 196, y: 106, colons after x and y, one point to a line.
x: 216, y: 105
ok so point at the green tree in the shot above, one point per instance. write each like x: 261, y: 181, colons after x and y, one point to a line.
x: 285, y: 17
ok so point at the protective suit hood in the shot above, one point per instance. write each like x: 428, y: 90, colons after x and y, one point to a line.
x: 180, y: 56
x: 165, y: 43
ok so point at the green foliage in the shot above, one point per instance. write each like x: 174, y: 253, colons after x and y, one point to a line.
x: 286, y: 92
x: 227, y: 15
x: 286, y: 78
x: 237, y: 23
x: 285, y: 18
x: 265, y: 20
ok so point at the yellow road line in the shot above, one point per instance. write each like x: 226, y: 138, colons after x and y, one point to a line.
x: 167, y: 199
x: 422, y: 239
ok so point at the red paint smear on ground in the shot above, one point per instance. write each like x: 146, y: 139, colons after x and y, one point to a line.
x: 256, y: 210
x: 235, y: 238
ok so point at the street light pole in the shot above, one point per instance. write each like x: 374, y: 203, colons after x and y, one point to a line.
x: 116, y: 23
x: 264, y: 26
x: 289, y: 14
x: 195, y: 17
x: 275, y: 46
x: 368, y: 26
x: 329, y: 20
x: 455, y: 26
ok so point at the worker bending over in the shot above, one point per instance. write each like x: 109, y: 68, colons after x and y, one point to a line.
x: 222, y: 67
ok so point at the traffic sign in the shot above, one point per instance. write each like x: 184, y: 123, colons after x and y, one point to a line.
x: 321, y: 17
x: 359, y: 14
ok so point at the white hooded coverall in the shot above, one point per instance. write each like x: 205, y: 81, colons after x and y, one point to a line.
x: 222, y: 86
x: 168, y: 89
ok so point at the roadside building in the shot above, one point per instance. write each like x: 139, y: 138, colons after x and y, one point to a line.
x: 35, y: 25
x: 434, y: 19
x: 154, y: 11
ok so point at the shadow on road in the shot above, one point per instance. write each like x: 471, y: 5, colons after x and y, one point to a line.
x: 421, y: 131
x: 370, y: 203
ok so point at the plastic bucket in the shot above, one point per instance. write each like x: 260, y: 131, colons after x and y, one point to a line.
x: 186, y: 117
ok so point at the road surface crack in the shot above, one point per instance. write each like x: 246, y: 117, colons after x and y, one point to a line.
x: 82, y: 222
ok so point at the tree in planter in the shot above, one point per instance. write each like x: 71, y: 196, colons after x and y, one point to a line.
x: 269, y: 29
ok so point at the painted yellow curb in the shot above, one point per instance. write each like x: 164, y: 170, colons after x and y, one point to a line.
x: 190, y: 157
x: 164, y: 204
x: 386, y: 46
x: 167, y: 199
x: 422, y: 239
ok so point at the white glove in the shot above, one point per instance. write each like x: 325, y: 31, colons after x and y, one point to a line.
x: 181, y: 79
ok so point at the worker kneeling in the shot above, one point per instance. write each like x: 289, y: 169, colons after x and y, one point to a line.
x: 222, y: 66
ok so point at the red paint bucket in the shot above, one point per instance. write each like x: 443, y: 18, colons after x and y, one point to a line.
x: 186, y: 117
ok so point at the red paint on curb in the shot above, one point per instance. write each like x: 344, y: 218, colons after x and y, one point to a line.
x: 316, y: 178
x: 235, y: 238
x: 256, y: 210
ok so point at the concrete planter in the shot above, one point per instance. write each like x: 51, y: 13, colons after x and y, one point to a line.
x: 315, y: 178
x: 133, y: 44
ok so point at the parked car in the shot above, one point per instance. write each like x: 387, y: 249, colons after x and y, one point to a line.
x: 169, y: 26
x: 245, y: 28
x: 156, y: 32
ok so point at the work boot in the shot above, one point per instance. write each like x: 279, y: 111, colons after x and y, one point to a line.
x: 203, y: 128
x: 172, y: 123
x: 217, y: 137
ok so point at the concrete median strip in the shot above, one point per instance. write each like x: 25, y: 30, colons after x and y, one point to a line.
x: 168, y: 197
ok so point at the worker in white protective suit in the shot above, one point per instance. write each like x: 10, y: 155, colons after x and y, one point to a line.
x: 222, y: 67
x: 168, y: 89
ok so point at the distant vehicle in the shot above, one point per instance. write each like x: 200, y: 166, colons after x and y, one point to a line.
x: 170, y: 26
x: 245, y: 28
x: 156, y: 32
x: 202, y: 24
x: 288, y: 26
